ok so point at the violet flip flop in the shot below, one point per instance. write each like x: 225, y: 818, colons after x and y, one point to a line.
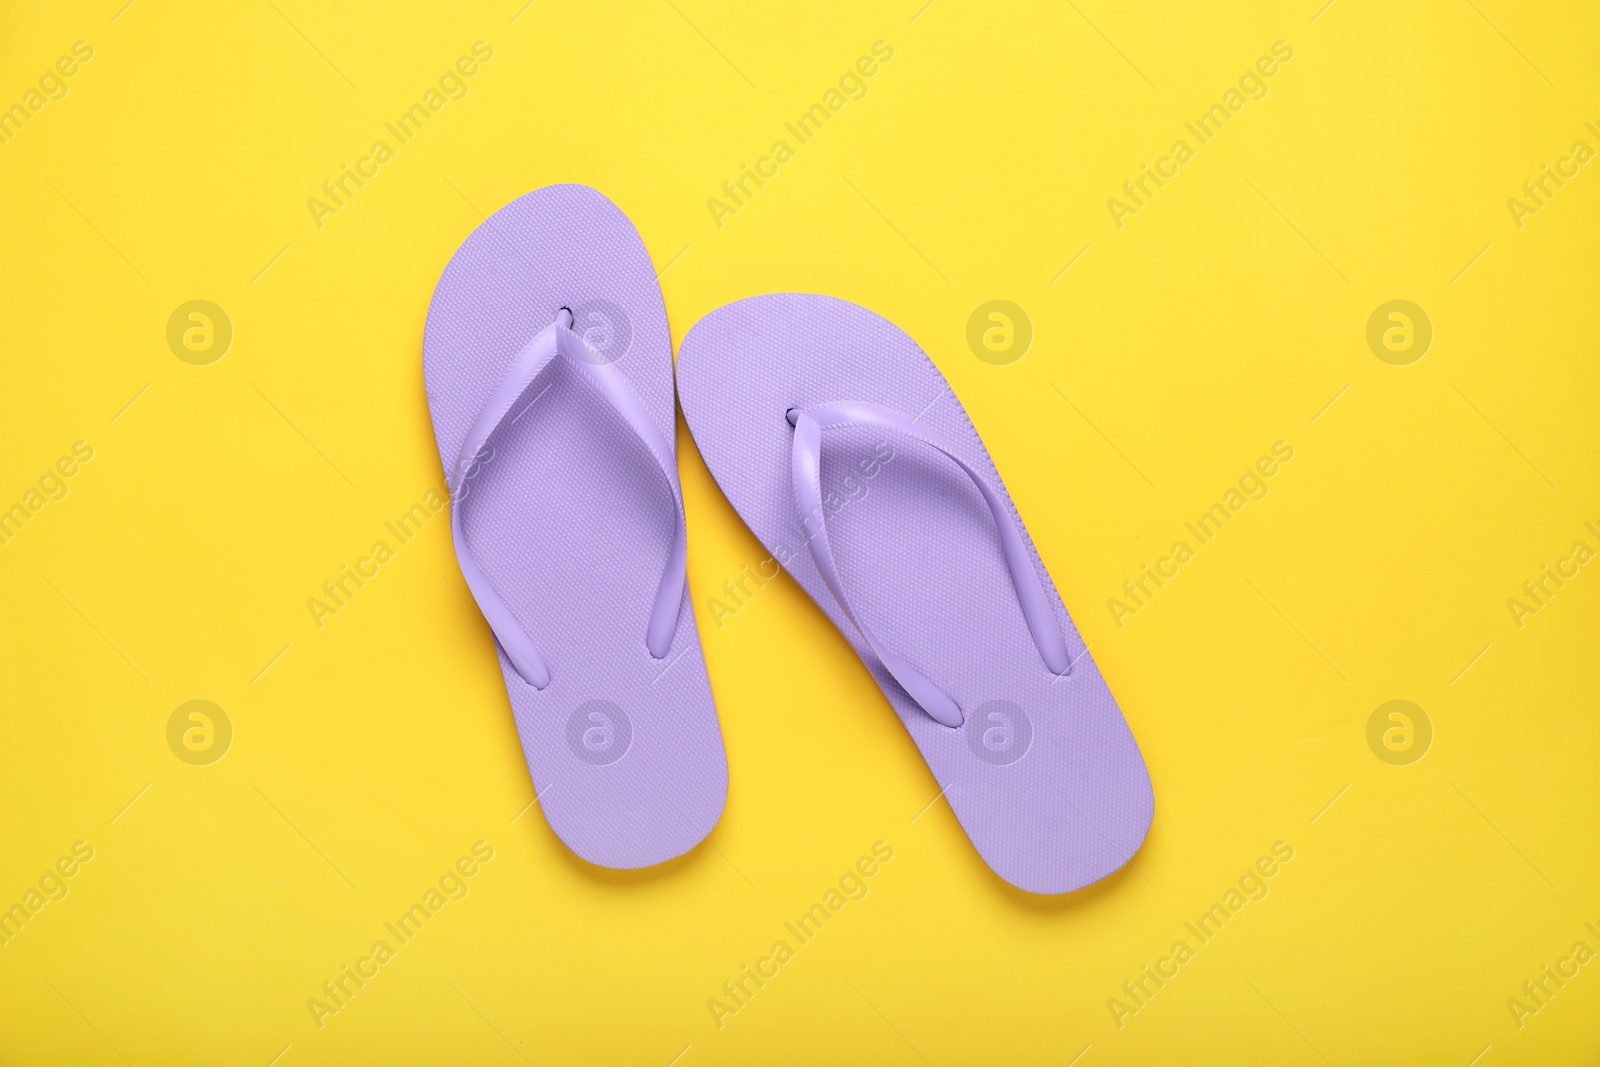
x: 548, y: 367
x: 846, y: 453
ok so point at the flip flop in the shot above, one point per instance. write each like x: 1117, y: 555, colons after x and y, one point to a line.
x: 548, y: 367
x: 846, y: 453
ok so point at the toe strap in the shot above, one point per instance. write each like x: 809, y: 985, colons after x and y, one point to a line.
x: 558, y: 340
x: 806, y: 475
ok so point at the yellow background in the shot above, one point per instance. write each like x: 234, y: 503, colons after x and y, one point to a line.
x: 1226, y: 315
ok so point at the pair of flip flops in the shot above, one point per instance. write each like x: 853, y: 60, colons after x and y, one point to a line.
x: 549, y: 373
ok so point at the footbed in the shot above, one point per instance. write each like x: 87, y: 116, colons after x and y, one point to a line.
x: 573, y: 524
x: 1045, y: 776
